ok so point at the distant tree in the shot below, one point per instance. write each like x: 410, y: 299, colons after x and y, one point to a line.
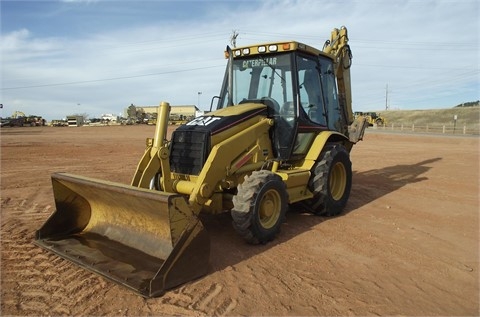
x: 132, y: 111
x: 469, y: 104
x: 140, y: 115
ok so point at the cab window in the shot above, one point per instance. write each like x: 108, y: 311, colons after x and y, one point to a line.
x: 310, y: 89
x: 259, y: 77
x: 329, y: 88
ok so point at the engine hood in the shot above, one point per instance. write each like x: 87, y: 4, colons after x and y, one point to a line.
x: 220, y: 120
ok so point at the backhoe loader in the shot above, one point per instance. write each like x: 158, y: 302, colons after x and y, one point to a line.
x: 280, y: 136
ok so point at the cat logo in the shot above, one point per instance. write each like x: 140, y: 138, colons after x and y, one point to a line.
x: 203, y: 121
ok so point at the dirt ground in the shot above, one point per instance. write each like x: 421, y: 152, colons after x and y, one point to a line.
x: 407, y: 244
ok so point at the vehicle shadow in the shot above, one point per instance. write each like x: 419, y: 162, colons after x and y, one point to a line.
x: 370, y: 185
x: 228, y: 248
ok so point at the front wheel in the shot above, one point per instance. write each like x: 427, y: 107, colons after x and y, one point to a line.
x: 331, y: 181
x: 259, y: 207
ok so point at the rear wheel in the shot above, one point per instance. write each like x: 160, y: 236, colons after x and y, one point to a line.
x: 259, y: 207
x: 331, y: 181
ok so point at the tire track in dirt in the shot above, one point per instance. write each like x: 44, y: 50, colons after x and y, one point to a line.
x: 35, y: 282
x: 198, y: 299
x: 33, y: 279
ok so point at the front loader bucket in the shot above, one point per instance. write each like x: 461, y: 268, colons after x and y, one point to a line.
x: 148, y: 241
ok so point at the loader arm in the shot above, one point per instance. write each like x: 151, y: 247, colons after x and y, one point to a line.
x: 225, y: 158
x: 149, y: 164
x: 221, y: 157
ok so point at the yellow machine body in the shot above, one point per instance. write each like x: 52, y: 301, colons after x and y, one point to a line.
x: 252, y: 156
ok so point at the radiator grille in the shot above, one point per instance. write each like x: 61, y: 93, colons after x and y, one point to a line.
x: 189, y: 151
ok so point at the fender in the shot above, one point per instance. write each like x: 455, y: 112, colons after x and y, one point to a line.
x: 318, y: 145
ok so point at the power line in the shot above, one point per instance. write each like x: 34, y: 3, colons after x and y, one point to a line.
x: 369, y: 42
x: 415, y: 43
x: 414, y: 67
x: 109, y: 79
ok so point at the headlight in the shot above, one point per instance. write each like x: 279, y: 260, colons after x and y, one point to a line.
x: 273, y: 48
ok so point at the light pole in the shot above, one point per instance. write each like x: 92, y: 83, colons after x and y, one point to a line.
x: 198, y: 103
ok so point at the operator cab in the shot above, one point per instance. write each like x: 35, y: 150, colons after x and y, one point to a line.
x: 296, y: 83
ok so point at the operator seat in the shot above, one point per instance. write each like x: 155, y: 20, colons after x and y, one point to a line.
x: 311, y: 82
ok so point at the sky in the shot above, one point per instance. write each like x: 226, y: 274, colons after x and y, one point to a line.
x: 95, y: 57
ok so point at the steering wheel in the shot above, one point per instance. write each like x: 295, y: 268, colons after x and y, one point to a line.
x: 267, y: 101
x: 272, y: 103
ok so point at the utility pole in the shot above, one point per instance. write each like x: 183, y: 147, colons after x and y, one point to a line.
x: 386, y: 97
x: 233, y: 38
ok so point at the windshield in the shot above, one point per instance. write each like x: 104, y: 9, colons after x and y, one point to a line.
x: 258, y: 77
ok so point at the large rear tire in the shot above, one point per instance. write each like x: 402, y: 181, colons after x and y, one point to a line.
x: 331, y: 181
x: 259, y: 207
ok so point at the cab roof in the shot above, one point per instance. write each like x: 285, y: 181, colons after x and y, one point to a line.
x: 275, y: 47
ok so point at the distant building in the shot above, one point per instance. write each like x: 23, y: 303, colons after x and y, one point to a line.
x: 75, y: 121
x: 184, y: 111
x: 109, y: 117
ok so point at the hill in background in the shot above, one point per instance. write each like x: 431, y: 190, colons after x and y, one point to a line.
x: 466, y: 115
x: 469, y: 104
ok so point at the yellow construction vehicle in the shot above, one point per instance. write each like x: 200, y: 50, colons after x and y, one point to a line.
x: 374, y: 119
x: 280, y: 136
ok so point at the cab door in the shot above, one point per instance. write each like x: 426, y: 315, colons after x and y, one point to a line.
x: 330, y: 96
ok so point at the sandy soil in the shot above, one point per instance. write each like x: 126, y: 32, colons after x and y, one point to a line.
x: 406, y: 245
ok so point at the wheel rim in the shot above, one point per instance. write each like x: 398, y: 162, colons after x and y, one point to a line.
x: 338, y: 181
x: 269, y: 209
